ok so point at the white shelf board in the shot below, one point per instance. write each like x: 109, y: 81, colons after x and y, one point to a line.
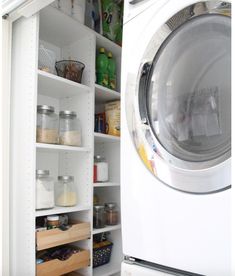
x: 103, y: 94
x: 52, y: 147
x: 107, y: 270
x: 106, y: 229
x: 101, y: 138
x: 106, y: 184
x: 57, y: 87
x: 62, y: 210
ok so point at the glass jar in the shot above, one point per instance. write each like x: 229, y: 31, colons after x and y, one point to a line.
x: 70, y: 129
x: 47, y: 125
x: 53, y: 222
x: 111, y: 214
x: 101, y: 169
x: 66, y: 194
x: 98, y: 216
x: 44, y: 190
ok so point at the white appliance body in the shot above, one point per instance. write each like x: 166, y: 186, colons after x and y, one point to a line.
x: 160, y: 224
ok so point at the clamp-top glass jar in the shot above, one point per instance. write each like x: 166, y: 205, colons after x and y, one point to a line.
x: 66, y: 194
x: 44, y: 190
x: 47, y: 125
x: 70, y: 129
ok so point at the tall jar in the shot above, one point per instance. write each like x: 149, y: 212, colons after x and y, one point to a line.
x: 44, y: 190
x: 66, y: 194
x: 111, y: 214
x: 101, y: 169
x: 70, y: 129
x: 47, y: 125
x: 98, y: 216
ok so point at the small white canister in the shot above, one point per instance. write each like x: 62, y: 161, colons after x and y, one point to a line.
x: 102, y: 170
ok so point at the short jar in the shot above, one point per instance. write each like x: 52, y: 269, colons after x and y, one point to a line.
x: 44, y: 190
x: 53, y: 222
x: 111, y: 214
x: 70, y: 133
x: 98, y: 216
x: 66, y: 194
x: 47, y: 125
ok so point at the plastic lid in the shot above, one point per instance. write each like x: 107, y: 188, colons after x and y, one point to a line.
x: 110, y: 205
x: 110, y: 55
x: 68, y: 113
x: 102, y: 50
x: 53, y: 218
x: 45, y: 108
x: 66, y: 177
x: 42, y: 172
x: 98, y: 207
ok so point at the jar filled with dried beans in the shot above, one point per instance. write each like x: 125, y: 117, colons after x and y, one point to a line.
x: 47, y: 125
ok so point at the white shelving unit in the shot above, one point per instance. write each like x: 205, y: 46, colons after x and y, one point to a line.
x: 31, y: 87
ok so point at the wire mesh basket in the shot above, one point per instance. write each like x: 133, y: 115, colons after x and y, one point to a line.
x: 70, y: 69
x: 102, y: 253
x: 46, y: 60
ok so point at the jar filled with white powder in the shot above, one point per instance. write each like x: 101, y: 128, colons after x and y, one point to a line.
x: 44, y: 190
x: 66, y: 194
x: 70, y: 129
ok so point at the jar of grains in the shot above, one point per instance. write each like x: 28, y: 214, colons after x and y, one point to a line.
x: 98, y: 216
x: 66, y: 194
x: 47, y: 125
x: 44, y: 190
x: 70, y: 129
x: 111, y: 214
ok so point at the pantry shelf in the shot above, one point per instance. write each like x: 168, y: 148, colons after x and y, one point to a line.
x: 107, y: 270
x: 103, y: 94
x: 106, y: 184
x: 57, y: 87
x: 50, y: 147
x: 101, y: 138
x: 62, y: 210
x: 106, y: 229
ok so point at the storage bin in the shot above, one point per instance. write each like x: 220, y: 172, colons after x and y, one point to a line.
x: 46, y: 60
x: 102, y: 253
x: 54, y: 237
x: 56, y: 267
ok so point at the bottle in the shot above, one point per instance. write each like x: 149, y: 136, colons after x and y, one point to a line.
x: 102, y: 68
x: 111, y: 71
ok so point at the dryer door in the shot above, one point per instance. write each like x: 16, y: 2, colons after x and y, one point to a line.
x: 182, y: 122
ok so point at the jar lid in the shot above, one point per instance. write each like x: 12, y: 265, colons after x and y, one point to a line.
x: 98, y: 207
x: 53, y: 218
x: 45, y: 108
x: 66, y: 177
x: 110, y: 205
x: 68, y: 113
x: 42, y: 172
x: 99, y: 158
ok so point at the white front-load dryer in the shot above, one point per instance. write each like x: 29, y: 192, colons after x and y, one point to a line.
x: 176, y: 136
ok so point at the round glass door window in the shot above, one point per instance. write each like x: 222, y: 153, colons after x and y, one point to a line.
x: 189, y: 90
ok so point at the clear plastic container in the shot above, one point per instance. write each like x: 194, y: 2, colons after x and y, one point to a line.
x: 98, y: 216
x: 44, y: 190
x: 70, y: 129
x: 112, y: 215
x: 66, y: 194
x: 47, y: 125
x: 101, y: 169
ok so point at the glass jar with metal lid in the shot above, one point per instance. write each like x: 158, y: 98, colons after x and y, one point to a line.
x: 66, y: 194
x: 47, y: 125
x: 70, y: 129
x: 44, y: 190
x: 111, y: 214
x: 98, y: 216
